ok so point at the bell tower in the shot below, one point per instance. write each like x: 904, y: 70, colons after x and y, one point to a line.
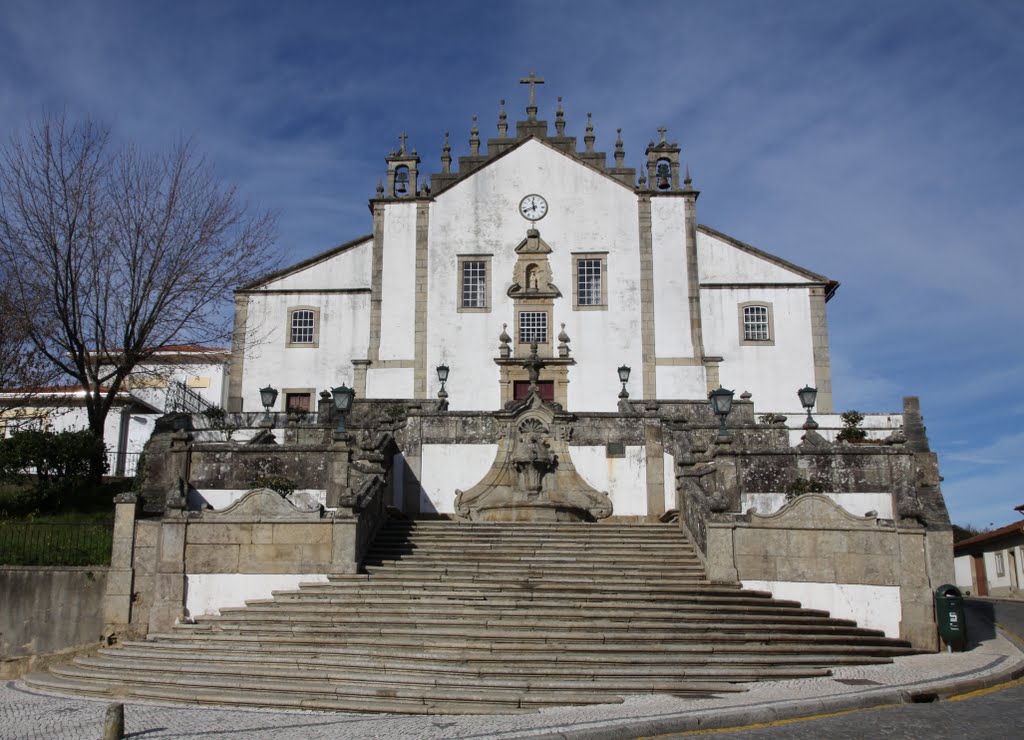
x: 402, y: 171
x: 663, y: 165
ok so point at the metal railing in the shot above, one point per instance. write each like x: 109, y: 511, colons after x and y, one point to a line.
x: 123, y: 464
x: 182, y: 399
x: 56, y: 543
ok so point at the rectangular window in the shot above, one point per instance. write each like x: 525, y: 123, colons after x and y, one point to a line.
x: 755, y: 324
x: 533, y: 327
x: 588, y: 282
x: 302, y: 327
x: 474, y: 283
x: 1000, y: 565
x: 588, y: 276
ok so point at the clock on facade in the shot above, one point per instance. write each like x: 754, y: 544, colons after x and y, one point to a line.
x: 533, y: 207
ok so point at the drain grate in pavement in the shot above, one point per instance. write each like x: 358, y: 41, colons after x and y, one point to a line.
x: 857, y: 681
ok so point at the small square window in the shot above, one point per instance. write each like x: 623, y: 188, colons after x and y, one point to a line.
x: 297, y: 402
x: 533, y: 327
x: 303, y: 327
x: 756, y: 325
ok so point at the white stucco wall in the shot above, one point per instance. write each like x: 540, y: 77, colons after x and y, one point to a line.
x: 718, y: 261
x: 207, y: 593
x: 348, y: 269
x: 344, y: 336
x: 963, y: 572
x: 771, y: 372
x: 624, y: 478
x: 858, y: 504
x: 872, y: 607
x: 439, y: 476
x: 398, y: 286
x: 669, y: 463
x: 877, y: 425
x: 221, y: 498
x: 681, y: 382
x: 588, y: 212
x: 671, y: 292
x: 393, y: 382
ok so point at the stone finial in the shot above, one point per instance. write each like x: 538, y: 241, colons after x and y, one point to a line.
x: 504, y: 351
x: 560, y: 119
x: 532, y: 80
x: 474, y: 139
x: 620, y: 153
x: 446, y: 156
x: 588, y: 139
x: 563, y: 343
x: 687, y: 180
x: 746, y: 395
x: 502, y: 121
x: 642, y: 182
x: 380, y: 188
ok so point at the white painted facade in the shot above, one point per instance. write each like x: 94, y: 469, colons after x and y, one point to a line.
x: 858, y: 504
x: 207, y: 593
x: 410, y: 267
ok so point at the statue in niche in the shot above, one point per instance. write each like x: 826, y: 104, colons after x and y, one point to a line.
x: 532, y: 282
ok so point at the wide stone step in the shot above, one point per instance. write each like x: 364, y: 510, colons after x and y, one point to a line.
x: 671, y: 622
x: 553, y: 654
x: 297, y: 654
x: 349, y: 632
x: 308, y: 670
x: 612, y: 580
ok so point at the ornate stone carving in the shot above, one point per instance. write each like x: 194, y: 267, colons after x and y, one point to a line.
x: 532, y: 477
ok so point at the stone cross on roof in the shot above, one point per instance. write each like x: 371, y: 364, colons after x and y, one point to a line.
x: 662, y: 131
x: 531, y: 81
x: 403, y: 136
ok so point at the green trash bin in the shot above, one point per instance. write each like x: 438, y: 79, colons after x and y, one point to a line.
x: 949, y: 615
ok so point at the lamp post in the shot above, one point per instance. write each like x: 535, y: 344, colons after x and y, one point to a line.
x: 442, y: 375
x: 624, y: 371
x: 808, y: 396
x: 268, y: 397
x: 721, y: 404
x: 342, y: 396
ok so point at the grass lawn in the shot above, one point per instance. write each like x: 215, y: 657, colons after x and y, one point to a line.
x: 75, y: 528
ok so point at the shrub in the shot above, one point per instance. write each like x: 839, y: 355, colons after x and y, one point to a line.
x: 59, y: 461
x: 801, y: 486
x: 851, y: 430
x: 277, y: 483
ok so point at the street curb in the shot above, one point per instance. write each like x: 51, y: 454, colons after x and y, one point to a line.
x: 739, y: 717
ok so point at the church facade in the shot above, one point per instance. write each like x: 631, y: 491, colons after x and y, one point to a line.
x: 531, y: 238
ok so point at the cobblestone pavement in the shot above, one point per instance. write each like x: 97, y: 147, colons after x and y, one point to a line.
x: 29, y: 714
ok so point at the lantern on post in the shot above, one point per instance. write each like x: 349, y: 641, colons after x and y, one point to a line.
x: 442, y: 375
x: 342, y: 397
x: 808, y: 396
x: 268, y: 397
x: 721, y: 404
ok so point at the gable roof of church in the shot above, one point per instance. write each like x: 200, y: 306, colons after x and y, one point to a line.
x: 298, y: 266
x: 831, y: 286
x: 450, y: 180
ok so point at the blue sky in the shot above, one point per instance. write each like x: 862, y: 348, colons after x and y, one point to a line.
x: 878, y: 143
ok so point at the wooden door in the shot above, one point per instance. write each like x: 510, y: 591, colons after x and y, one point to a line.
x: 980, y: 576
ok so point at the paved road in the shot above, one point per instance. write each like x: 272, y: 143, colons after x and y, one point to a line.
x: 990, y: 715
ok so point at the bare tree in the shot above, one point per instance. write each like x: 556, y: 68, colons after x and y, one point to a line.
x: 114, y: 254
x: 24, y: 371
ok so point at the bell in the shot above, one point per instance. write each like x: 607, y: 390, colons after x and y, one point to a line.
x: 663, y: 176
x: 402, y: 182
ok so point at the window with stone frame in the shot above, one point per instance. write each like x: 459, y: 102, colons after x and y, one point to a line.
x: 474, y: 283
x: 297, y: 403
x: 1000, y: 565
x: 590, y: 290
x: 756, y: 323
x: 303, y: 326
x: 533, y: 327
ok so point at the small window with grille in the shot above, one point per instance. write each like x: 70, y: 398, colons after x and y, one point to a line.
x: 474, y: 283
x: 591, y: 291
x: 756, y: 326
x: 303, y: 329
x: 533, y: 327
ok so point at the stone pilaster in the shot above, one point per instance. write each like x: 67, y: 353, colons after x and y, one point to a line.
x: 169, y: 580
x: 341, y: 458
x: 819, y: 345
x: 238, y: 336
x: 693, y: 281
x: 649, y: 372
x: 117, y: 602
x: 420, y: 320
x: 376, y: 281
x: 654, y: 452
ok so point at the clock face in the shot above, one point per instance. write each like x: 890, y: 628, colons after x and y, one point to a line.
x: 533, y: 207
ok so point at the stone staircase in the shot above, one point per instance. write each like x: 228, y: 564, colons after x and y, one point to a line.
x: 479, y: 618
